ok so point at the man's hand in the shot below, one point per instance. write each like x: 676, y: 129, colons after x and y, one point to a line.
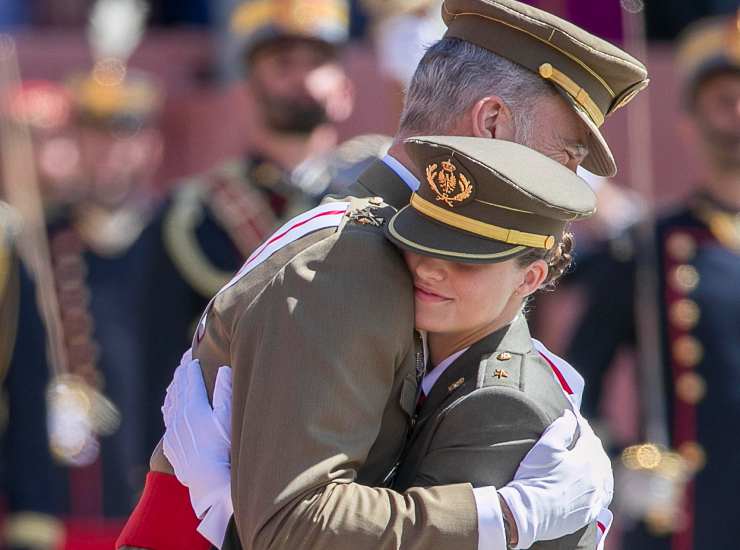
x: 558, y: 489
x: 197, y: 442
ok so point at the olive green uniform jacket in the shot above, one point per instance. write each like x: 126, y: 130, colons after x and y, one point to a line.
x: 483, y: 415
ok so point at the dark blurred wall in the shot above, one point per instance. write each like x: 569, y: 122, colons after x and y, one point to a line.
x: 667, y: 18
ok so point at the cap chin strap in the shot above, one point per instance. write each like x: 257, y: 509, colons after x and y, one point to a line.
x: 482, y: 229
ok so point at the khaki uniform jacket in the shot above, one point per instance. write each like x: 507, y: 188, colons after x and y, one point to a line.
x: 483, y: 415
x: 320, y: 337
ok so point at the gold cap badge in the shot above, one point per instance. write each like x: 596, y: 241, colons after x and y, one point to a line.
x: 450, y: 185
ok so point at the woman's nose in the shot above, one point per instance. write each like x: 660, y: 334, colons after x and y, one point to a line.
x: 430, y: 269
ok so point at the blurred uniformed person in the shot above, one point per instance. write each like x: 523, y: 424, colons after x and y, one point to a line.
x: 296, y: 90
x: 318, y: 327
x: 98, y: 254
x: 697, y: 248
x: 30, y: 480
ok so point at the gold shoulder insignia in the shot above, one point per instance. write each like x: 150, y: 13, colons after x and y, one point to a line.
x: 372, y: 212
x: 179, y: 227
x: 366, y: 216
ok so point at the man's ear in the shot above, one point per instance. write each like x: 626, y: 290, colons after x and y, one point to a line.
x: 490, y: 117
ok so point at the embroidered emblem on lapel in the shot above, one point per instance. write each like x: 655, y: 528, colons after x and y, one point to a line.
x: 452, y: 387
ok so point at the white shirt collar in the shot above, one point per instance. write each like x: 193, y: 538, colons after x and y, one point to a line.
x: 404, y: 173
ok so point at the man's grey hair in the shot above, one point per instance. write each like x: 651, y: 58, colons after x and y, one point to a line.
x: 454, y: 74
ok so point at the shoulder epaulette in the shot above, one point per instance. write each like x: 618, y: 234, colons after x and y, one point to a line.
x: 501, y: 369
x: 179, y: 234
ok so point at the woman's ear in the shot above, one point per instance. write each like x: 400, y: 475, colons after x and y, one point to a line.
x: 490, y: 117
x: 535, y: 275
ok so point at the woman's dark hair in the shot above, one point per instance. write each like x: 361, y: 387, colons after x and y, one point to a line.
x: 559, y: 258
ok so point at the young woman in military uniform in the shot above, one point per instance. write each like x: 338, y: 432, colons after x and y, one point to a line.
x: 486, y: 229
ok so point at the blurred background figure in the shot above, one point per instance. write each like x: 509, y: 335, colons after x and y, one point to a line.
x: 295, y: 93
x: 402, y: 30
x: 28, y: 474
x: 85, y: 485
x: 46, y: 108
x: 696, y: 255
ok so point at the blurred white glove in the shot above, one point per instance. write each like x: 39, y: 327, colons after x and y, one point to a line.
x: 556, y: 490
x: 197, y: 442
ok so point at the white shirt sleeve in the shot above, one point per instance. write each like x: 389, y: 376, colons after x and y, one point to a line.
x: 491, y: 532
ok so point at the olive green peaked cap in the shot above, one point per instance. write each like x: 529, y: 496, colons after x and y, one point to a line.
x: 486, y: 200
x: 594, y: 76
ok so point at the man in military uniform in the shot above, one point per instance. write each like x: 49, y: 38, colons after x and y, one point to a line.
x: 310, y: 438
x: 697, y: 251
x: 98, y: 261
x: 296, y: 91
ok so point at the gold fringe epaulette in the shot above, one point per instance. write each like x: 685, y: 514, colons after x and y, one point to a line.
x: 179, y: 233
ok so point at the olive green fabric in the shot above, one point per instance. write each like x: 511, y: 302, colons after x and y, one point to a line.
x: 523, y: 194
x: 534, y: 38
x: 483, y: 416
x: 320, y: 337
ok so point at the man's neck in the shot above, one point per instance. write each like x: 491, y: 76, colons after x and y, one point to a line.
x: 290, y: 150
x: 724, y: 187
x: 398, y: 152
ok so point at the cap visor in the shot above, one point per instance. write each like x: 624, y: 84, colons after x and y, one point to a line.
x: 413, y: 231
x: 600, y: 160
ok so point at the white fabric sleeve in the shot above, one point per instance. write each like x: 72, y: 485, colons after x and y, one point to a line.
x: 491, y: 532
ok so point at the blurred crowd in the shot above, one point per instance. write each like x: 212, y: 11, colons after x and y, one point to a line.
x: 103, y: 275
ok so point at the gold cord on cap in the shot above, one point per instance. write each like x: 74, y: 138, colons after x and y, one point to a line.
x: 548, y: 72
x: 487, y: 230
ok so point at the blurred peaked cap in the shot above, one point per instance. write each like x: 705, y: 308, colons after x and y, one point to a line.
x: 258, y: 21
x: 486, y: 200
x: 41, y: 104
x: 116, y: 95
x: 707, y: 47
x: 387, y: 8
x: 594, y: 76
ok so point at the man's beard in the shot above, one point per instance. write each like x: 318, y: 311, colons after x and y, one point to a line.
x: 723, y: 147
x: 292, y: 117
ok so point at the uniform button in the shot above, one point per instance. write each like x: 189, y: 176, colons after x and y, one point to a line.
x: 687, y: 351
x: 694, y: 455
x: 504, y: 356
x: 691, y: 388
x: 685, y: 278
x: 685, y: 314
x: 681, y: 247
